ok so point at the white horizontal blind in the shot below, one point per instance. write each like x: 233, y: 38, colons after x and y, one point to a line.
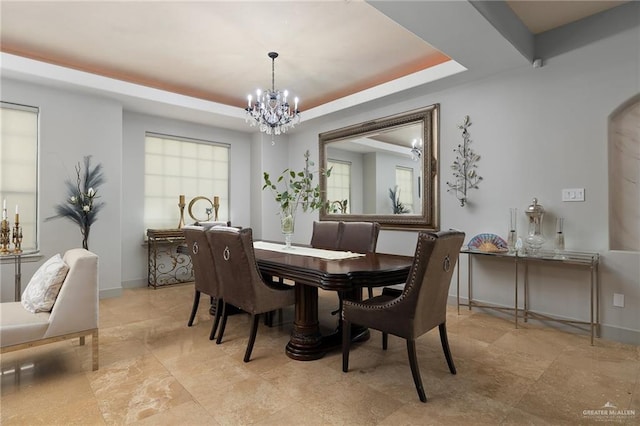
x: 19, y: 168
x: 339, y: 184
x: 177, y: 166
x: 404, y: 180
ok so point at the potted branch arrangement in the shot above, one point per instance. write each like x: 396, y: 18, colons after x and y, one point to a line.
x: 295, y: 189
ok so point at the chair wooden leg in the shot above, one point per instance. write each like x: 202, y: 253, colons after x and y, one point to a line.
x: 252, y: 337
x: 94, y: 350
x: 346, y: 343
x: 445, y: 347
x: 415, y: 370
x: 370, y: 290
x: 194, y: 309
x: 216, y: 321
x: 268, y: 319
x: 225, y: 314
x: 385, y: 341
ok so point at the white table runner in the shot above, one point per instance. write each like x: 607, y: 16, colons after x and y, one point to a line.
x: 306, y: 251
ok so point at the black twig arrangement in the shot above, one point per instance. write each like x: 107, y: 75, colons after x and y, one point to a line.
x: 81, y: 206
x: 397, y: 205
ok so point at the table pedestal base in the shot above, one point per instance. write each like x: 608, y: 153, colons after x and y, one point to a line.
x: 306, y: 342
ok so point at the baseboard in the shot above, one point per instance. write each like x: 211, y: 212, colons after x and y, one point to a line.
x: 110, y: 292
x: 141, y: 282
x: 618, y: 334
x: 607, y: 332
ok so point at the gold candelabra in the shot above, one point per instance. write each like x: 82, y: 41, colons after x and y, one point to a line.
x: 17, y: 235
x: 181, y: 205
x: 216, y: 206
x: 4, y: 234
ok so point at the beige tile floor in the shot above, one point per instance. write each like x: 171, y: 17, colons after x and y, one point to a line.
x: 154, y: 370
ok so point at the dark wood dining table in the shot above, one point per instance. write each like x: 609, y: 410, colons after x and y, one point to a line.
x: 311, y: 273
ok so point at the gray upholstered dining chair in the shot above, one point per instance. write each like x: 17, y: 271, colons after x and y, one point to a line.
x: 359, y: 237
x: 326, y: 234
x: 418, y: 308
x: 206, y: 280
x: 356, y: 237
x: 241, y: 280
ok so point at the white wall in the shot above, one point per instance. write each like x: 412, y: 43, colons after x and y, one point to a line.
x: 538, y: 131
x: 72, y: 125
x: 273, y: 159
x: 135, y: 125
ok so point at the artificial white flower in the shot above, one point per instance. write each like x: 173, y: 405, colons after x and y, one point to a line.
x: 86, y: 208
x: 91, y: 192
x: 73, y: 199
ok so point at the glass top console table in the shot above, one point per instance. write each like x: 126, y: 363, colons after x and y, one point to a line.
x: 586, y: 260
x: 17, y: 269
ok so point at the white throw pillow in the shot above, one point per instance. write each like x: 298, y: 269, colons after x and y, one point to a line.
x: 42, y: 290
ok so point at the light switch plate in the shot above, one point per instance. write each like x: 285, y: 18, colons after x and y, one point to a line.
x: 618, y: 300
x: 573, y: 194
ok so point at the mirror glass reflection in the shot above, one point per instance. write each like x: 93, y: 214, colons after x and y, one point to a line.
x: 377, y: 174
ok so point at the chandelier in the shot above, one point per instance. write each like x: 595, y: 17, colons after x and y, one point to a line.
x: 271, y: 110
x: 416, y: 149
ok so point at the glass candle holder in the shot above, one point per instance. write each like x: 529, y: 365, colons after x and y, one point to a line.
x: 512, y: 235
x: 558, y: 244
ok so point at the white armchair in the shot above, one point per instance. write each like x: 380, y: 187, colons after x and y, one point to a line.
x: 74, y: 313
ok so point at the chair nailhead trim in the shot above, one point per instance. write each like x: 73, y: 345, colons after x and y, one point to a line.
x: 410, y: 285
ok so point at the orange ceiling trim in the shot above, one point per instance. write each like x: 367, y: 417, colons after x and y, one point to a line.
x: 124, y: 76
x: 393, y: 74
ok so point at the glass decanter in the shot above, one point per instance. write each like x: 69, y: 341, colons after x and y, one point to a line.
x: 534, y: 240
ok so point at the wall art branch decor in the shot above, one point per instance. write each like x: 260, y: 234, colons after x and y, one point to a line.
x: 464, y: 166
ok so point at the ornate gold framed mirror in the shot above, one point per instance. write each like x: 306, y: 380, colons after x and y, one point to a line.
x: 384, y: 170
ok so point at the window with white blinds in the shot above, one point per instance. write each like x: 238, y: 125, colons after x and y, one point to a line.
x: 339, y: 186
x: 177, y: 166
x: 404, y: 181
x: 19, y: 168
